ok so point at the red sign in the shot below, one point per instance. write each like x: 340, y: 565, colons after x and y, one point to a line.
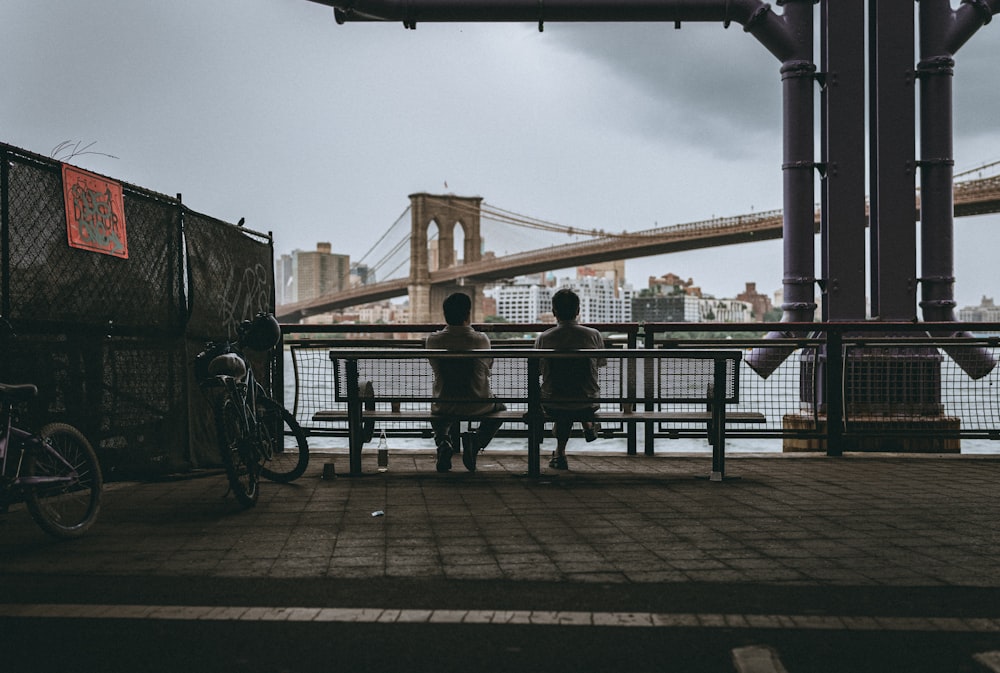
x: 95, y: 212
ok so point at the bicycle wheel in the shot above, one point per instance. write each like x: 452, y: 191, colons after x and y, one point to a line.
x: 236, y: 449
x: 289, y: 447
x: 64, y: 482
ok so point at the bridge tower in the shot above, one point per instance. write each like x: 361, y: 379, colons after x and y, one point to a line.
x: 447, y: 212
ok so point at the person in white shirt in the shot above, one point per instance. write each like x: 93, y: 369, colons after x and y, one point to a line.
x: 572, y: 379
x: 462, y: 385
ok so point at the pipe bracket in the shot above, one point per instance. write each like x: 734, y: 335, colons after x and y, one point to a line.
x: 983, y: 7
x: 798, y: 68
x: 937, y: 65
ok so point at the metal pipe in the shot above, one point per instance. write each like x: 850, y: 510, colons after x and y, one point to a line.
x: 755, y: 16
x: 798, y: 223
x: 940, y: 29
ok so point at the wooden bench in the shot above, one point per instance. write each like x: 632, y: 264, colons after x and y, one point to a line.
x: 638, y: 387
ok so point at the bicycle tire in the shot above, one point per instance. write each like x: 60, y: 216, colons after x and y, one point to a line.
x: 243, y: 474
x: 289, y: 446
x: 65, y: 509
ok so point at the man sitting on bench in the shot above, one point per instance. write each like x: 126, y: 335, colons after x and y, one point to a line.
x: 461, y: 379
x: 573, y: 379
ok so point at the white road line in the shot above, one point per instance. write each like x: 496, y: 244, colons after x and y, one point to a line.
x: 499, y: 617
x: 990, y: 660
x: 757, y: 659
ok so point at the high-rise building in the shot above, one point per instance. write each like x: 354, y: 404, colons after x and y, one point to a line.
x: 600, y: 300
x: 987, y: 311
x: 529, y: 299
x: 284, y: 280
x: 521, y: 301
x: 308, y: 274
x: 760, y: 303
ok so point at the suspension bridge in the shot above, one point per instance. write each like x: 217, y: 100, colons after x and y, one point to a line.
x: 391, y: 258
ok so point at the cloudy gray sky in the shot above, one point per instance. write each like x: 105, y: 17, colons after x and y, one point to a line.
x: 268, y: 110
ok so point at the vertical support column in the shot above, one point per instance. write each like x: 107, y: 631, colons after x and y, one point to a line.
x: 717, y: 432
x: 648, y: 390
x: 536, y: 419
x: 937, y: 224
x: 354, y: 439
x: 798, y: 164
x: 419, y: 288
x: 4, y: 234
x: 631, y: 372
x: 892, y: 152
x: 834, y: 375
x: 843, y: 149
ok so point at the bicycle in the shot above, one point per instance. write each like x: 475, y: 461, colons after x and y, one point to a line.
x: 54, y: 471
x: 257, y: 436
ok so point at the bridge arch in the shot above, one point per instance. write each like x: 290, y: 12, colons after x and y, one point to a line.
x: 446, y: 212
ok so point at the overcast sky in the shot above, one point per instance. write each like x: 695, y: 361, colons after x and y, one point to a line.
x: 268, y: 110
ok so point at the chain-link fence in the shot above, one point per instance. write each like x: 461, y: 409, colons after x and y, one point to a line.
x: 109, y: 340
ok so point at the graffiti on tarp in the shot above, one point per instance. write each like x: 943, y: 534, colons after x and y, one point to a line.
x: 244, y: 294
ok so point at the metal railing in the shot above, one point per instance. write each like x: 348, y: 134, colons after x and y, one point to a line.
x: 865, y: 386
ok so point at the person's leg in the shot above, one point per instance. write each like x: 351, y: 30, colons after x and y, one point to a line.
x: 442, y: 438
x: 486, y: 431
x: 563, y: 429
x: 590, y: 427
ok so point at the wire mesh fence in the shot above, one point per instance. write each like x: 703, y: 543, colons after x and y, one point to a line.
x: 896, y: 394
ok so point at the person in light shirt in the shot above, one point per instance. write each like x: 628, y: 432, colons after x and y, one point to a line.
x: 462, y: 386
x: 571, y: 379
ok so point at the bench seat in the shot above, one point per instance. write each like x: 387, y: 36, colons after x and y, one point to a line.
x: 416, y: 415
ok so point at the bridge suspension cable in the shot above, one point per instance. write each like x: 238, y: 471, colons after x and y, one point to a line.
x: 978, y: 169
x: 496, y: 214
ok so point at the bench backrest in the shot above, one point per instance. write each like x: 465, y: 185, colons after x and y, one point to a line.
x: 677, y: 377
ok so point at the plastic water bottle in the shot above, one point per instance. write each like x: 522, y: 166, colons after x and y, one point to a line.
x: 383, y: 453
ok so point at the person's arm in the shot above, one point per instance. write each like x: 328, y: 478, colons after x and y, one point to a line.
x: 599, y: 340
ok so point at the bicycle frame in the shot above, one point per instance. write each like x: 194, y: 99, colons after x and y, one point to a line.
x: 14, y: 437
x: 246, y: 391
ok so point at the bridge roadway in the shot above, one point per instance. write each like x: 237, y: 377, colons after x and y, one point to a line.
x: 972, y: 197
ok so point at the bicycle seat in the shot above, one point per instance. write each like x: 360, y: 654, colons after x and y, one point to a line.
x: 17, y: 392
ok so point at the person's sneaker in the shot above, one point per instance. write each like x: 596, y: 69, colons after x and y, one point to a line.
x: 590, y: 434
x: 558, y: 463
x: 470, y: 449
x: 444, y: 452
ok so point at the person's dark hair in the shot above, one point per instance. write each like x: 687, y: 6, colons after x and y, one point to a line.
x: 457, y: 308
x: 565, y: 304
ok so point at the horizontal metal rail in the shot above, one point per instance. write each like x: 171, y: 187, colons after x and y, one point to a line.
x: 886, y: 386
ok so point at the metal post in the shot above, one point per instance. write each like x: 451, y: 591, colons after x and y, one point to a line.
x: 718, y: 430
x: 5, y: 234
x: 843, y: 150
x: 834, y: 374
x: 354, y: 441
x: 536, y: 419
x: 648, y: 388
x: 892, y: 210
x: 631, y: 370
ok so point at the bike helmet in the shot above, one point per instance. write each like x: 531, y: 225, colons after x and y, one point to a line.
x: 228, y: 364
x: 262, y: 333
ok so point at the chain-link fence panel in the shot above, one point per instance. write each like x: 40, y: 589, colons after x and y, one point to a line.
x: 53, y: 282
x: 232, y: 277
x: 231, y: 280
x: 104, y: 337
